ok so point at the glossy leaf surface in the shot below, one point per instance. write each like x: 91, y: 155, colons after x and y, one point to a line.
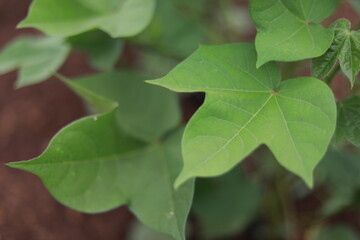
x: 145, y: 112
x: 246, y: 107
x: 37, y: 58
x: 345, y: 47
x: 92, y: 166
x: 288, y: 30
x: 71, y: 17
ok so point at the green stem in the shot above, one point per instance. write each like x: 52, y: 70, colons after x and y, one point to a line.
x: 332, y: 75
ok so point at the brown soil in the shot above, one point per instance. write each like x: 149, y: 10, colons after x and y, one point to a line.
x: 29, y: 117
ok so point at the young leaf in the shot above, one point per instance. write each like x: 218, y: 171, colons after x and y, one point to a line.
x: 71, y: 17
x: 238, y: 197
x: 37, y: 58
x: 146, y: 112
x: 92, y: 166
x: 288, y: 30
x: 348, y: 123
x: 103, y: 50
x: 345, y: 47
x: 246, y: 107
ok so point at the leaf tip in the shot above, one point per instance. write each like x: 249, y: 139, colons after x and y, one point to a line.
x: 157, y: 82
x: 22, y: 24
x: 17, y: 165
x: 309, y: 181
x: 180, y: 180
x: 260, y: 62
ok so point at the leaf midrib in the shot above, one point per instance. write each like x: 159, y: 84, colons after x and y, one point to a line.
x: 235, y: 135
x: 109, y: 158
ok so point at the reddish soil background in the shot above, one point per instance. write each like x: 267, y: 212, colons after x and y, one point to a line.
x: 29, y: 117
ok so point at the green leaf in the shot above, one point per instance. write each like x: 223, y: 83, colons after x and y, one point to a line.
x: 337, y: 232
x: 246, y: 107
x: 339, y: 171
x: 103, y: 50
x: 37, y: 58
x: 146, y: 112
x: 172, y: 31
x: 92, y: 166
x: 288, y: 30
x: 104, y: 5
x: 226, y: 205
x: 139, y: 232
x: 345, y: 47
x: 71, y: 17
x: 348, y: 123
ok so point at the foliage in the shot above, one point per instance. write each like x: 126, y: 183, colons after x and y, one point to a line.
x: 345, y: 47
x: 288, y: 29
x: 246, y: 107
x: 133, y: 150
x: 37, y: 58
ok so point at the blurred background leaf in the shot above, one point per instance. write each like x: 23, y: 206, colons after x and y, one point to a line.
x: 37, y: 58
x: 226, y: 205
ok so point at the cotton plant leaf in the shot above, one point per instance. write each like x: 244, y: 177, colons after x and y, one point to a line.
x: 345, y: 48
x: 288, y: 30
x: 350, y: 56
x: 339, y: 172
x: 171, y: 31
x: 246, y: 107
x: 92, y: 166
x: 145, y: 112
x: 322, y: 65
x: 348, y: 122
x: 36, y: 58
x: 225, y: 206
x: 103, y: 51
x: 71, y: 17
x: 103, y: 6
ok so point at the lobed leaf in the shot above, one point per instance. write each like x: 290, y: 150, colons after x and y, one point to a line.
x: 288, y: 30
x: 71, y: 17
x: 92, y: 166
x: 246, y: 107
x: 345, y: 47
x: 37, y: 58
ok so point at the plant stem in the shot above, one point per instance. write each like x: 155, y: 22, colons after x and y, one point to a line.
x: 332, y: 75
